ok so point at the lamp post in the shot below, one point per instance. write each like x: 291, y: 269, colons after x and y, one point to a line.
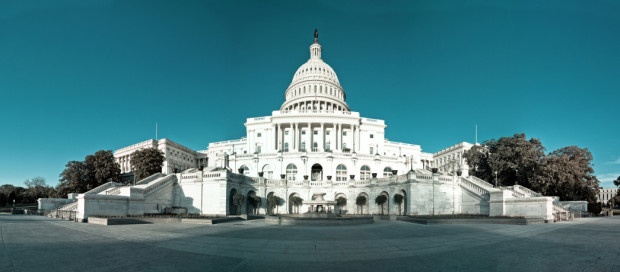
x: 496, y: 179
x: 434, y: 170
x: 516, y: 176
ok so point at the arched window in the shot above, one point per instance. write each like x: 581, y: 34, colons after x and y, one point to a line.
x: 341, y: 172
x: 387, y: 172
x: 365, y: 172
x: 267, y: 171
x: 291, y: 172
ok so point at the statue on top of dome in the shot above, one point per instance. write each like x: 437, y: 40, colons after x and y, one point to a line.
x: 316, y: 35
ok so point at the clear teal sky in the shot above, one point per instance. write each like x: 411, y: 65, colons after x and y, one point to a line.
x: 79, y: 76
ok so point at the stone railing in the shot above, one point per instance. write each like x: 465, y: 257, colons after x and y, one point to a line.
x: 446, y: 179
x: 424, y: 176
x: 221, y: 174
x: 362, y: 182
x: 114, y: 191
x: 475, y: 187
x: 150, y: 178
x: 159, y: 183
x: 190, y: 176
x: 69, y: 206
x: 295, y: 182
x: 243, y: 179
x: 275, y: 182
x: 335, y: 112
x: 515, y: 194
x: 480, y: 182
x: 316, y: 184
x: 102, y: 188
x: 562, y: 214
x: 341, y: 183
x: 392, y: 179
x: 527, y: 191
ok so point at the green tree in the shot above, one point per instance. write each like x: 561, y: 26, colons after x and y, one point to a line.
x: 102, y: 168
x: 146, y: 162
x: 380, y: 200
x: 21, y: 195
x: 74, y: 178
x: 5, y: 190
x: 237, y: 201
x: 398, y: 199
x: 617, y: 181
x: 254, y: 202
x: 296, y: 202
x: 567, y: 173
x: 12, y: 198
x: 274, y: 202
x: 515, y: 159
x: 37, y: 188
x: 341, y: 202
x: 82, y: 176
x: 361, y: 201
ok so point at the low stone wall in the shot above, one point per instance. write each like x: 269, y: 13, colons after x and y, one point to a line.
x: 391, y: 217
x: 575, y: 206
x: 159, y: 220
x: 114, y: 221
x: 47, y: 204
x: 210, y: 221
x: 483, y: 220
x: 338, y: 221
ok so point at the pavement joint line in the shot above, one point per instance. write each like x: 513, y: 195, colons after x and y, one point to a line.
x: 6, y: 250
x: 304, y: 249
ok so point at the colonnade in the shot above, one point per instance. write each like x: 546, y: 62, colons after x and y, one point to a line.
x: 323, y: 139
x: 315, y: 105
x: 125, y: 163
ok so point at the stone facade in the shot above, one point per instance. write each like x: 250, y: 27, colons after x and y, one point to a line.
x: 605, y: 195
x: 313, y: 144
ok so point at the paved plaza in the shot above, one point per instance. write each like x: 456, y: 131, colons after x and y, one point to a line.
x: 33, y: 243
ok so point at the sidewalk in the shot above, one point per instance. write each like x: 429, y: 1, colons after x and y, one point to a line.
x: 33, y: 243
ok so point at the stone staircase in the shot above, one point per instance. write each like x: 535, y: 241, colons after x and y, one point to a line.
x: 559, y: 213
x: 65, y: 212
x: 477, y: 186
x: 152, y: 183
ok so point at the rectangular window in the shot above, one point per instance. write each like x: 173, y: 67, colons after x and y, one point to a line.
x: 316, y: 132
x: 303, y: 132
x: 344, y: 133
x: 286, y: 132
x: 371, y: 151
x: 372, y: 136
x: 258, y: 135
x: 258, y: 149
x: 327, y: 132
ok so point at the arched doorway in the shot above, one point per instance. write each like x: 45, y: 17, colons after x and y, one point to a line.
x: 294, y: 203
x: 253, y: 203
x: 270, y: 209
x: 402, y: 206
x: 341, y: 203
x: 362, y: 203
x: 316, y: 172
x: 232, y: 209
x: 383, y: 208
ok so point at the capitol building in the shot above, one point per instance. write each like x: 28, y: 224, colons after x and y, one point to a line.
x: 313, y: 145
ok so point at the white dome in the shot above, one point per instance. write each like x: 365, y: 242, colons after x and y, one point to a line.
x: 315, y: 85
